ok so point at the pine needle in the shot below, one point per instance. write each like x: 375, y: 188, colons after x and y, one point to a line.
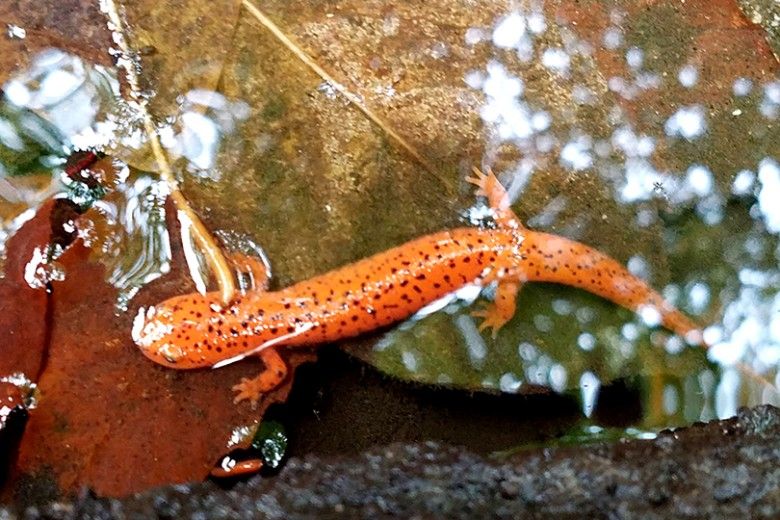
x: 202, y: 238
x: 341, y: 89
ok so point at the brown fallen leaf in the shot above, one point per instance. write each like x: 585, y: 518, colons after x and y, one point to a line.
x: 107, y: 417
x: 22, y: 308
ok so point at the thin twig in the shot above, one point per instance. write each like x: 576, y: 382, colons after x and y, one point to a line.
x: 203, y: 239
x: 352, y: 98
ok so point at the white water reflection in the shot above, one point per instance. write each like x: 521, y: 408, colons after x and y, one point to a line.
x: 718, y: 227
x: 589, y: 391
x: 769, y: 193
x: 688, y: 76
x: 60, y: 104
x: 205, y: 118
x: 688, y: 122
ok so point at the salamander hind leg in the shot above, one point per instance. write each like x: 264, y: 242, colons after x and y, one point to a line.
x: 272, y: 376
x: 496, y: 314
x: 490, y: 187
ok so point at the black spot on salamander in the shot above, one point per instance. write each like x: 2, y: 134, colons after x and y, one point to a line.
x: 466, y: 259
x: 290, y: 329
x: 404, y: 283
x: 198, y: 315
x: 420, y: 276
x: 354, y: 318
x: 273, y: 330
x: 417, y: 289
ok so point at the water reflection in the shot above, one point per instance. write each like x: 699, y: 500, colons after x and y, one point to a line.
x: 196, y: 135
x: 719, y: 227
x: 60, y: 104
x: 719, y: 233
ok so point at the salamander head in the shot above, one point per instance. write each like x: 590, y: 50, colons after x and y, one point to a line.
x: 173, y: 333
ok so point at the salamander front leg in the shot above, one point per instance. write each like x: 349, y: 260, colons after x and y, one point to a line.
x: 272, y: 376
x: 502, y: 309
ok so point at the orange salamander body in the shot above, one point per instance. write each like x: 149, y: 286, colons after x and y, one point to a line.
x: 195, y: 330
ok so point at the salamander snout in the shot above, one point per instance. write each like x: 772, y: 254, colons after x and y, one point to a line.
x: 170, y: 333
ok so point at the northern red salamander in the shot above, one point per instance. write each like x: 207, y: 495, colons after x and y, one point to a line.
x: 196, y: 330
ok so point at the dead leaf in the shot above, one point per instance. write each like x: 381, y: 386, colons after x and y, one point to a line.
x: 107, y: 417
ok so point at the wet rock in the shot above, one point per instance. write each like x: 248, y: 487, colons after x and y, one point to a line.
x: 696, y: 472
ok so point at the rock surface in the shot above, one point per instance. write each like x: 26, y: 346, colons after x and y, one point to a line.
x: 722, y: 469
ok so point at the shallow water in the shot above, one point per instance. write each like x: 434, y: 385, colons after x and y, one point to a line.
x: 626, y: 128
